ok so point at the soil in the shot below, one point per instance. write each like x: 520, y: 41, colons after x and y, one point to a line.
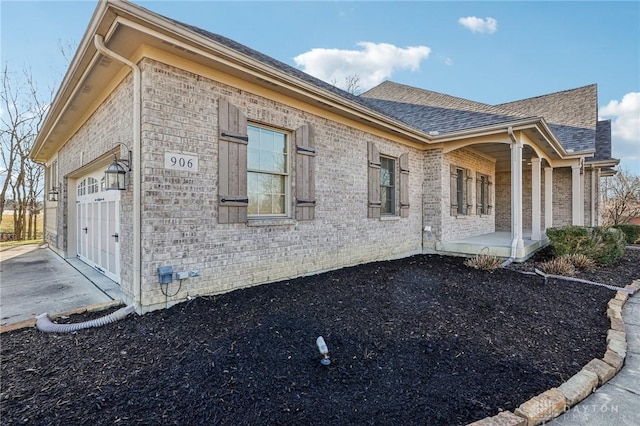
x: 421, y: 340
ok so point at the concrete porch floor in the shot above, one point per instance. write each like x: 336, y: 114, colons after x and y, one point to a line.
x: 496, y: 243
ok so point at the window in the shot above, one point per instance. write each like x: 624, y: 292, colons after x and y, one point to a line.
x: 254, y: 166
x: 459, y: 191
x: 384, y: 184
x: 92, y: 185
x: 483, y: 194
x: 460, y: 201
x: 82, y: 187
x: 387, y: 186
x: 267, y: 172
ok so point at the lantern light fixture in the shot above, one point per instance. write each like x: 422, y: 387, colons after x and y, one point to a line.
x: 115, y: 174
x: 53, y: 194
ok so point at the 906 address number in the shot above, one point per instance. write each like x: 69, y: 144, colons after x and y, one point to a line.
x: 178, y: 161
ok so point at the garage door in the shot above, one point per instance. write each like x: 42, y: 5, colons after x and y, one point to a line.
x: 98, y: 225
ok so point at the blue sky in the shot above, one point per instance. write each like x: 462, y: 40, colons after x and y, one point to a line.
x: 510, y: 51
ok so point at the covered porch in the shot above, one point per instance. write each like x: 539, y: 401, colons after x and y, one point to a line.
x: 495, y: 243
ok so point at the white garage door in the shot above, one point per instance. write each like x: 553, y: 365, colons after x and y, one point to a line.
x: 99, y: 225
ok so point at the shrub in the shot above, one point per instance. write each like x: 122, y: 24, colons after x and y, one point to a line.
x: 581, y: 262
x: 631, y: 232
x: 488, y: 262
x: 602, y: 245
x: 559, y: 266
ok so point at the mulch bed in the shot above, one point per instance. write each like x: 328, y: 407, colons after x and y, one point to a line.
x: 421, y: 340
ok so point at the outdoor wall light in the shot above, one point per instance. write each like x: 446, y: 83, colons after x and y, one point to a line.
x: 53, y: 194
x: 115, y: 174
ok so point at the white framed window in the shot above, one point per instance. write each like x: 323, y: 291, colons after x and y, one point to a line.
x: 483, y: 194
x: 82, y: 187
x: 92, y: 185
x: 387, y: 186
x: 267, y: 171
x: 460, y: 191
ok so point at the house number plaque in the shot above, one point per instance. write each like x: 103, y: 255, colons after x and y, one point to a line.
x: 179, y: 161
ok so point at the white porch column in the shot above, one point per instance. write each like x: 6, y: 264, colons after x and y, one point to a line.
x: 595, y: 183
x: 548, y: 197
x: 517, y: 244
x: 535, y: 199
x: 576, y: 196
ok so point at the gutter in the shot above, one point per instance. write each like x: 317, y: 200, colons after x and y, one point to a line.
x: 136, y: 167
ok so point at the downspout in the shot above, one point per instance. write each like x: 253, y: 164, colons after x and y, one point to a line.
x: 136, y: 167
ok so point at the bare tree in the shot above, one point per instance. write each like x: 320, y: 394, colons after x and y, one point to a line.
x: 620, y: 198
x: 351, y: 84
x: 23, y: 112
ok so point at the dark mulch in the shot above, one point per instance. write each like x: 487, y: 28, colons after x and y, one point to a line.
x: 422, y: 340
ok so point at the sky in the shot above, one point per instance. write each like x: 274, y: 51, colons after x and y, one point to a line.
x: 490, y: 52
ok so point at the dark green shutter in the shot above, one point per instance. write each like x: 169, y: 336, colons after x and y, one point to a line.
x: 305, y: 173
x: 232, y: 164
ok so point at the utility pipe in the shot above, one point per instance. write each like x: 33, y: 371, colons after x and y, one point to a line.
x: 136, y: 168
x: 43, y: 323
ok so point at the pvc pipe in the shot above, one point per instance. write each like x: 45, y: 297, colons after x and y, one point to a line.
x: 43, y: 323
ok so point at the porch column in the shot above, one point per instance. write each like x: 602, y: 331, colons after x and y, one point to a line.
x: 548, y: 197
x: 517, y: 244
x: 576, y: 196
x: 595, y: 184
x: 535, y: 199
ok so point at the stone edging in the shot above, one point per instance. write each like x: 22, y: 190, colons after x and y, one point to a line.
x: 550, y: 404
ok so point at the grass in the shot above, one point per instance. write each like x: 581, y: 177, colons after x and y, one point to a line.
x: 7, y: 226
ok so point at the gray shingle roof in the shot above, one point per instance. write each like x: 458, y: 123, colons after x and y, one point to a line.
x: 570, y: 114
x: 603, y: 141
x: 437, y: 119
x: 576, y: 107
x: 571, y: 123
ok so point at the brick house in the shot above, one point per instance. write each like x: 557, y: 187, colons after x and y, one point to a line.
x: 241, y: 170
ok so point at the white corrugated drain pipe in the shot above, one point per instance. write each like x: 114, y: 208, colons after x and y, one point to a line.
x: 136, y: 168
x: 43, y: 323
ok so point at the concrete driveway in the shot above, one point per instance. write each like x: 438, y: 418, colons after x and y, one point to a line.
x: 34, y: 280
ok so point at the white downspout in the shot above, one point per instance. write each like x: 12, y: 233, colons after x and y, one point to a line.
x: 136, y: 167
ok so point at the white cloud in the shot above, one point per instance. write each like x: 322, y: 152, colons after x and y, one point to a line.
x: 479, y: 25
x: 373, y: 63
x: 625, y: 128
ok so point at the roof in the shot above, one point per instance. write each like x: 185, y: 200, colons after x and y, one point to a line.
x: 429, y: 111
x: 410, y: 111
x: 573, y: 108
x: 569, y: 114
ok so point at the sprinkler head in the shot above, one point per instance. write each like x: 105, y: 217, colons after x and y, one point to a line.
x: 324, y: 351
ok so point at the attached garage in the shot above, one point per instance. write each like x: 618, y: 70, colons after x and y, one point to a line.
x: 98, y: 225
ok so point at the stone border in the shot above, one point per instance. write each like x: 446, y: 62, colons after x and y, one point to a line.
x: 555, y: 401
x: 97, y: 307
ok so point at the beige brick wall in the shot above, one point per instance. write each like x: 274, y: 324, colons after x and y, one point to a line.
x: 180, y: 211
x: 179, y: 208
x: 432, y: 186
x: 562, y: 197
x: 463, y: 226
x: 109, y: 125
